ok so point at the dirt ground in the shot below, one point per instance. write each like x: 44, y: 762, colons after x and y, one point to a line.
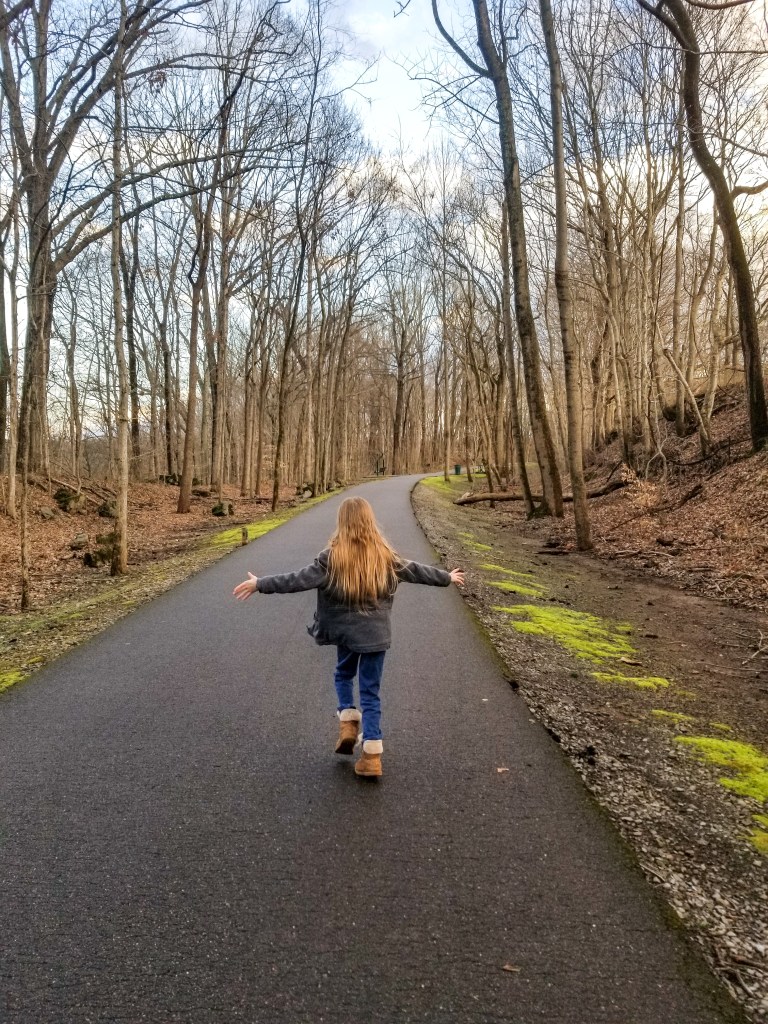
x: 703, y: 524
x: 639, y: 681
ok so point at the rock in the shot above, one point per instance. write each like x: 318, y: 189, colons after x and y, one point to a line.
x: 80, y: 541
x: 218, y: 509
x: 47, y: 513
x: 107, y: 510
x: 69, y: 500
x: 306, y: 493
x: 201, y: 492
x: 102, y: 553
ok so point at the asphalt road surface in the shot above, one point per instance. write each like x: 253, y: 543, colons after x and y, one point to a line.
x: 180, y: 845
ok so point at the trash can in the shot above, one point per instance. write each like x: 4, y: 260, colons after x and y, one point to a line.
x: 457, y: 470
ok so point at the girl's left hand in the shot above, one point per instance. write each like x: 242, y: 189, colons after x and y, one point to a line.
x: 244, y: 590
x: 457, y: 577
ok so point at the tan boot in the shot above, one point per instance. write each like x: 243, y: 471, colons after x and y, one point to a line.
x: 369, y: 764
x: 349, y: 726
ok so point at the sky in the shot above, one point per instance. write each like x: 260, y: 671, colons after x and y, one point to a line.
x: 388, y: 102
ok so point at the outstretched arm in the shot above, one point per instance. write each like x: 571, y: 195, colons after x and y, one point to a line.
x: 308, y: 578
x: 429, y: 575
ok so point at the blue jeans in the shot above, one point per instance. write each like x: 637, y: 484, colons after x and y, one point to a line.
x: 368, y: 668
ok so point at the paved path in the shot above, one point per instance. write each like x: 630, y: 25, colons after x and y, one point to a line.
x: 180, y: 845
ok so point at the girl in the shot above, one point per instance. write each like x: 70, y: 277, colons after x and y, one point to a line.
x: 355, y: 577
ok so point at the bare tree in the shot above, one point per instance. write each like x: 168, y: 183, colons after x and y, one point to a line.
x: 495, y: 57
x: 673, y: 14
x: 563, y: 285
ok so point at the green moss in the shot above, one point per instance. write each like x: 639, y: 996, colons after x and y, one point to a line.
x: 672, y: 716
x: 470, y: 542
x: 759, y: 836
x: 507, y: 572
x: 641, y: 682
x: 686, y: 693
x: 510, y: 587
x: 9, y: 679
x: 439, y: 483
x: 586, y: 636
x: 721, y: 726
x: 234, y: 536
x: 749, y: 767
x: 521, y: 583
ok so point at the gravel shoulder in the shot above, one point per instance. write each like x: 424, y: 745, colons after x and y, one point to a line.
x: 659, y: 699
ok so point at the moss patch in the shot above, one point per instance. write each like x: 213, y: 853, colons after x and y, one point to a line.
x: 522, y: 583
x: 8, y: 679
x: 641, y: 682
x: 720, y: 726
x: 586, y: 636
x: 759, y: 836
x: 469, y: 541
x: 671, y: 716
x: 511, y: 587
x: 507, y: 572
x: 749, y: 767
x: 439, y: 483
x: 234, y: 536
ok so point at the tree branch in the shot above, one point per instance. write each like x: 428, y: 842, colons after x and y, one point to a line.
x: 717, y: 7
x: 482, y: 72
x: 670, y: 24
x: 6, y: 17
x: 748, y: 190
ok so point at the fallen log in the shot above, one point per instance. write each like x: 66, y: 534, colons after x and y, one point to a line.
x: 472, y: 499
x: 101, y: 494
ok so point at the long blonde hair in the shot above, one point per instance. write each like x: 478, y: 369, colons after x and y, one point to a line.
x: 361, y: 564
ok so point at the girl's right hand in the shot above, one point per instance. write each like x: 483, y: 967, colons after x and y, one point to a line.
x: 244, y: 590
x: 457, y: 577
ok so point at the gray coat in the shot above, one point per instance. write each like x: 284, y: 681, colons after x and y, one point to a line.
x: 336, y: 622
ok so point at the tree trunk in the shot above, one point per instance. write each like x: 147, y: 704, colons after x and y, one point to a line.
x: 5, y: 374
x: 514, y: 409
x: 563, y: 287
x: 680, y: 25
x: 130, y: 271
x: 526, y: 325
x: 120, y: 546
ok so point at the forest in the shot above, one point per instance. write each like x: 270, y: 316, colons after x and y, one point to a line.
x: 211, y: 276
